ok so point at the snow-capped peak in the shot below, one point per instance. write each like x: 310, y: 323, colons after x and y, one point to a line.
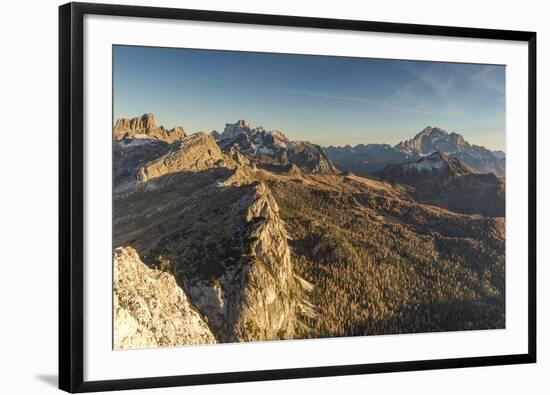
x: 432, y: 139
x: 434, y: 162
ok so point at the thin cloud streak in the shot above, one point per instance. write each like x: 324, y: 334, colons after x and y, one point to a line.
x: 445, y: 86
x: 354, y: 99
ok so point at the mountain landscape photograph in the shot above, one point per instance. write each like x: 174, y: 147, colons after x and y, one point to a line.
x: 264, y: 196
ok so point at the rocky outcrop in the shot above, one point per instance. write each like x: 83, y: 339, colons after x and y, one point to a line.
x: 256, y: 298
x: 193, y: 153
x: 270, y: 280
x: 144, y: 127
x: 236, y: 155
x: 150, y: 310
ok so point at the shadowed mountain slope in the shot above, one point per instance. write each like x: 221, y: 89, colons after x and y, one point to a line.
x: 449, y: 183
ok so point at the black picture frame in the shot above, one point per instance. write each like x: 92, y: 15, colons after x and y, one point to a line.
x: 71, y: 173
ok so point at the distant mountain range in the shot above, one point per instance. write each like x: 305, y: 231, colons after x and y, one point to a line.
x: 441, y: 167
x: 368, y: 159
x: 273, y: 149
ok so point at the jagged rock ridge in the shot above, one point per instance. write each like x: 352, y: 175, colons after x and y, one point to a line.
x: 274, y: 149
x: 252, y: 300
x: 144, y: 127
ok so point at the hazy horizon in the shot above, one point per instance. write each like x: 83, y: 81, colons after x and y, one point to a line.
x: 324, y: 99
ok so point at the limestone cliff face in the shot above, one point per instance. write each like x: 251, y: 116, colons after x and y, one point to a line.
x: 150, y: 310
x: 270, y: 282
x: 193, y: 153
x: 145, y: 127
x: 255, y: 299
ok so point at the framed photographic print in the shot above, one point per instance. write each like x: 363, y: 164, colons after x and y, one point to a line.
x: 257, y: 197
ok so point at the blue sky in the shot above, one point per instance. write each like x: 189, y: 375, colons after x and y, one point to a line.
x: 326, y: 100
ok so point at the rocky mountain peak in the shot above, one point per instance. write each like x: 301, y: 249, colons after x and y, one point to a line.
x: 145, y: 122
x: 144, y: 127
x: 273, y: 148
x: 432, y: 139
x: 232, y: 130
x: 142, y: 123
x: 428, y: 130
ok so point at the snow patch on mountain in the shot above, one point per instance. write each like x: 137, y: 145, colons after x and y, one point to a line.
x: 434, y: 162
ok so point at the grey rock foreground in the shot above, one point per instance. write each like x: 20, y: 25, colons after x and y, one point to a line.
x: 150, y: 310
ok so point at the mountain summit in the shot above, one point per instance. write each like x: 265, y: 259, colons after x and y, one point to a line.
x: 144, y: 127
x: 432, y: 139
x: 273, y: 149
